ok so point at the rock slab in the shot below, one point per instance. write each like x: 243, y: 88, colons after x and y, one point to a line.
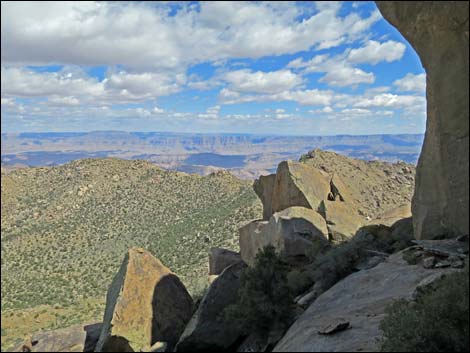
x: 146, y: 303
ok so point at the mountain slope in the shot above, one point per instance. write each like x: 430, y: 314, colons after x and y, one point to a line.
x: 66, y: 229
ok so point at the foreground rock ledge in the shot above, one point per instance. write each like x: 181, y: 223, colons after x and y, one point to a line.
x: 146, y: 303
x: 360, y: 299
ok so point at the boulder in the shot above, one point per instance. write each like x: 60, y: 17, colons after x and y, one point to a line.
x: 392, y: 216
x: 252, y: 238
x: 77, y: 338
x: 292, y: 232
x: 264, y: 187
x: 220, y: 259
x: 438, y: 31
x: 145, y: 303
x: 342, y: 219
x: 360, y: 300
x: 298, y: 184
x: 209, y: 329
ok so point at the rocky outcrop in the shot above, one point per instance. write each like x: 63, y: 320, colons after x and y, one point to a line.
x: 77, y: 338
x: 220, y: 259
x: 145, y: 303
x: 297, y: 184
x: 209, y: 328
x: 341, y: 218
x: 439, y: 32
x: 359, y: 300
x: 392, y: 216
x: 264, y: 187
x: 292, y: 232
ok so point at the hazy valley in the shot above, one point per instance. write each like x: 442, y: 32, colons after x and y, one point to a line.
x: 246, y: 156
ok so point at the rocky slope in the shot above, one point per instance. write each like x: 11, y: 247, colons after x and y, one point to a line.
x: 65, y: 230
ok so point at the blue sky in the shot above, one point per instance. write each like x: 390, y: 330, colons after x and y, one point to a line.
x: 309, y: 68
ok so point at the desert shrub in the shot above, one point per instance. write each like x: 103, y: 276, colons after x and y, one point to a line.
x: 264, y: 298
x: 438, y: 321
x: 332, y: 263
x: 299, y: 281
x: 336, y: 263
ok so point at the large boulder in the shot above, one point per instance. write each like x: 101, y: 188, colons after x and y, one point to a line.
x: 392, y: 216
x: 298, y: 184
x: 145, y: 303
x: 292, y: 232
x: 77, y: 338
x: 209, y: 328
x: 341, y: 218
x: 346, y: 317
x: 439, y: 32
x: 264, y: 187
x: 220, y: 259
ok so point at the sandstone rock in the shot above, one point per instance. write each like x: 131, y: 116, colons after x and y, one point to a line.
x: 77, y: 338
x: 264, y: 187
x: 392, y: 216
x: 298, y: 184
x: 252, y: 238
x: 429, y: 262
x: 342, y: 219
x: 360, y: 299
x: 292, y: 232
x: 145, y: 303
x: 209, y: 329
x: 439, y: 34
x: 220, y: 259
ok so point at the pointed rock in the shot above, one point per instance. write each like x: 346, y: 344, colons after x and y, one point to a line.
x: 145, y: 303
x: 264, y: 187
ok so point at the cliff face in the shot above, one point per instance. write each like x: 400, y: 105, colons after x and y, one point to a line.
x: 439, y: 32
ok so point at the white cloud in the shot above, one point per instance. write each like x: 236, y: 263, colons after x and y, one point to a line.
x: 374, y: 52
x: 141, y: 35
x: 412, y: 82
x: 338, y: 71
x: 71, y: 86
x: 9, y: 102
x: 262, y: 82
x: 342, y: 76
x: 391, y: 100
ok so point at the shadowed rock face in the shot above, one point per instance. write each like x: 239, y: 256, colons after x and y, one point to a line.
x: 145, y: 303
x: 439, y: 32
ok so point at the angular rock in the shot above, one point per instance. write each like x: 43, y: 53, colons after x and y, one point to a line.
x: 145, y: 303
x: 264, y: 187
x: 292, y: 232
x: 339, y: 190
x: 342, y: 219
x: 77, y: 338
x: 251, y: 239
x: 438, y: 31
x: 360, y: 299
x: 209, y: 329
x: 220, y: 259
x: 392, y: 216
x: 298, y: 184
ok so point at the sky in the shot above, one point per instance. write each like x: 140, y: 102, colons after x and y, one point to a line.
x: 287, y: 68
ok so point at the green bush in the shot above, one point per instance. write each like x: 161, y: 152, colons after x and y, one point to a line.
x: 438, y: 321
x: 264, y: 298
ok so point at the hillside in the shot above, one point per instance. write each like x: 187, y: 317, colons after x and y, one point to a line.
x: 65, y: 230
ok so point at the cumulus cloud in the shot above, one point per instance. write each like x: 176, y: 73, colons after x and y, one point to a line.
x: 412, y: 82
x: 72, y: 86
x: 391, y: 100
x: 338, y: 71
x: 374, y: 52
x: 261, y: 82
x: 141, y: 35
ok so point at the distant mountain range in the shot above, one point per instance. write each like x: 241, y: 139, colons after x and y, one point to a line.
x: 246, y: 156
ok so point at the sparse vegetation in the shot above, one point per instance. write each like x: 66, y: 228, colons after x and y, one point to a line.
x: 265, y: 301
x: 437, y: 322
x: 66, y: 229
